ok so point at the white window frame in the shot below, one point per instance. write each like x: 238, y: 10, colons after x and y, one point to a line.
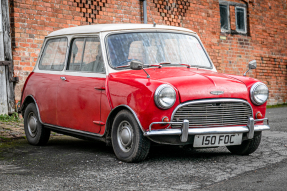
x: 245, y: 20
x: 228, y: 18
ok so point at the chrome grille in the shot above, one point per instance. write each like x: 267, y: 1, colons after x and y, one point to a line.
x: 215, y: 114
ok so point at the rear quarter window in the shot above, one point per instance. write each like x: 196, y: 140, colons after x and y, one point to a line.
x: 54, y: 54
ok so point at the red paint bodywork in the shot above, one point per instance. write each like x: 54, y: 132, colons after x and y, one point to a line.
x: 43, y: 87
x: 79, y: 103
x: 76, y: 103
x: 134, y: 89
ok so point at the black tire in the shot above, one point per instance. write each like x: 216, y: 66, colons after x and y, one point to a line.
x: 36, y: 134
x: 133, y: 147
x: 247, y: 147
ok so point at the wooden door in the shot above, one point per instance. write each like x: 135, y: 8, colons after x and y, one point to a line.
x: 7, y: 97
x: 3, y: 92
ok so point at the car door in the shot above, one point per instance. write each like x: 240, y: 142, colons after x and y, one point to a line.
x: 44, y: 81
x: 81, y: 85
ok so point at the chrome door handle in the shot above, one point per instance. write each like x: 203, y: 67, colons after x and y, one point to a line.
x: 63, y: 78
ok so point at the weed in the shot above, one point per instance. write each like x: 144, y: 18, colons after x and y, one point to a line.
x: 4, y: 139
x: 278, y: 105
x: 10, y: 118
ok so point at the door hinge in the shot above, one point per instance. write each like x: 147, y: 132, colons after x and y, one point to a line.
x: 10, y: 69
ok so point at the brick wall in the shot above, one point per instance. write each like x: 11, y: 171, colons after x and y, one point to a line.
x: 265, y: 41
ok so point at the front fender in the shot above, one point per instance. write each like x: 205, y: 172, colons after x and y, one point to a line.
x: 138, y: 94
x: 249, y: 83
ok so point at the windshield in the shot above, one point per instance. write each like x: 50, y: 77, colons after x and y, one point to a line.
x: 155, y: 48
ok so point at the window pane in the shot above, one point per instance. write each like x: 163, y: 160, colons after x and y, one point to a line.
x: 76, y: 53
x: 224, y: 17
x: 93, y: 59
x: 240, y: 20
x: 53, y: 57
x: 60, y: 55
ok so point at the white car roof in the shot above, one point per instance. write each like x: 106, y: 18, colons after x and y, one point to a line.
x: 112, y: 27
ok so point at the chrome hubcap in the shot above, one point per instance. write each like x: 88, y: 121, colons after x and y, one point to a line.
x: 32, y: 125
x: 125, y: 136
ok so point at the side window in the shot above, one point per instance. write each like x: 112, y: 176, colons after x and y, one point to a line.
x: 54, y: 54
x: 240, y: 14
x: 76, y: 54
x: 224, y: 18
x: 86, y: 56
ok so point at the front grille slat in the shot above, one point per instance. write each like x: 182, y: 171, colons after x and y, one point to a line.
x: 216, y: 114
x: 209, y: 125
x: 210, y: 114
x: 209, y: 110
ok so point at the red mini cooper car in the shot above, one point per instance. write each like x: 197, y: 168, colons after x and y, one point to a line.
x: 132, y: 84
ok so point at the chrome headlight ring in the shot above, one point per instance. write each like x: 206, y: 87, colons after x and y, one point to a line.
x: 165, y: 96
x: 259, y: 93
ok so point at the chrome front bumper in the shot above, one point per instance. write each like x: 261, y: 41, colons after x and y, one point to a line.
x: 185, y: 131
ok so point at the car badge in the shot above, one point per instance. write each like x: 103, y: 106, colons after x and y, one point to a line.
x: 217, y: 92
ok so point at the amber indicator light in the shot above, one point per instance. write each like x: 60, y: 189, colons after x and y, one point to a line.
x: 259, y: 115
x: 165, y: 119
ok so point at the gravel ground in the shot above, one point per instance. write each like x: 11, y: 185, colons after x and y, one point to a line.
x: 11, y: 130
x: 278, y: 118
x: 68, y: 163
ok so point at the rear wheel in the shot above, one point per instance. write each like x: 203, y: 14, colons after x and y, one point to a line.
x: 36, y: 134
x: 247, y: 147
x: 128, y: 141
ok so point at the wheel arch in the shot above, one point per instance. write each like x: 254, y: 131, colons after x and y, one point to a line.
x: 113, y: 114
x: 29, y: 99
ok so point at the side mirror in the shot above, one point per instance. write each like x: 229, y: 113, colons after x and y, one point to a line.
x: 251, y: 65
x: 136, y: 65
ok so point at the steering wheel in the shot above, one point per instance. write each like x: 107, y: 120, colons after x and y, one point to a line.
x: 128, y: 60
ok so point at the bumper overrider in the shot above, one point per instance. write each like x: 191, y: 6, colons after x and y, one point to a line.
x: 185, y: 131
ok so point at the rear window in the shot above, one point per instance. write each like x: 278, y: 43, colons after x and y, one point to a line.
x: 54, y: 54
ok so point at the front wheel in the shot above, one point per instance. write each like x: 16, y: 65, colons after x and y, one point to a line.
x: 36, y: 134
x: 128, y: 141
x: 247, y: 147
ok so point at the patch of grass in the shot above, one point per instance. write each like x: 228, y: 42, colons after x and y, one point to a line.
x: 10, y: 118
x: 278, y: 105
x: 4, y: 139
x: 11, y: 144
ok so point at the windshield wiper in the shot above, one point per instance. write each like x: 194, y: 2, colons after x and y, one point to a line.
x: 151, y: 65
x: 123, y: 66
x: 188, y: 66
x: 154, y: 65
x: 159, y: 65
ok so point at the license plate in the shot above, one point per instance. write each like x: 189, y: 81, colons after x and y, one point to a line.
x: 217, y: 140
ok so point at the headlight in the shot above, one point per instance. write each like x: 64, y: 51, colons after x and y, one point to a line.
x: 164, y: 96
x: 259, y: 93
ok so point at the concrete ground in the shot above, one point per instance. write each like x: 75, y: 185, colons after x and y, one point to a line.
x: 68, y: 163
